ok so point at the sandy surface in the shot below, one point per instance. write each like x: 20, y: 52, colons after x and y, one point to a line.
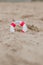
x: 21, y: 48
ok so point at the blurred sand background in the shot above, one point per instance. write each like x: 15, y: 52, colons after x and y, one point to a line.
x: 21, y: 48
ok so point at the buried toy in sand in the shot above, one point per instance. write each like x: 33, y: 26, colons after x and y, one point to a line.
x: 18, y: 23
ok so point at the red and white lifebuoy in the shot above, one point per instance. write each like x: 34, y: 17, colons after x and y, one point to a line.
x: 20, y: 23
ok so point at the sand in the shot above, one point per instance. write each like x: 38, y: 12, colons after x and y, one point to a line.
x: 21, y: 48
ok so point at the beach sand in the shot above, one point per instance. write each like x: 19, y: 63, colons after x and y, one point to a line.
x: 21, y: 48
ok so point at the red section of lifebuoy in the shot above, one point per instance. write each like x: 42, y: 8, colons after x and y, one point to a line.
x: 13, y: 24
x: 22, y: 31
x: 22, y: 23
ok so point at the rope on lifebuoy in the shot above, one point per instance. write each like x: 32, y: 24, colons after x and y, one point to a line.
x: 20, y: 23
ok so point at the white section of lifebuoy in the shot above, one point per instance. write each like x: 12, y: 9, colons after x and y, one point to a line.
x: 12, y: 29
x: 24, y: 28
x: 18, y: 22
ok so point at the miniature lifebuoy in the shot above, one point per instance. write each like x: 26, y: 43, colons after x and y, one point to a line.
x: 20, y: 23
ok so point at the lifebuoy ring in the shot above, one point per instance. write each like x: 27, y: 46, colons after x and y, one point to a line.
x: 20, y: 23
